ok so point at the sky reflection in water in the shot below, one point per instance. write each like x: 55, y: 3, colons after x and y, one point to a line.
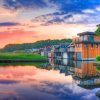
x: 31, y: 83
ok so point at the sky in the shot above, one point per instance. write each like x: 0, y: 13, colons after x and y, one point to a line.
x: 27, y: 21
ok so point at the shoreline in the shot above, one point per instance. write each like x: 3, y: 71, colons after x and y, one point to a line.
x: 11, y: 61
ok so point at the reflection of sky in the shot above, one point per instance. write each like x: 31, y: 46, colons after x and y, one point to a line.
x: 30, y: 83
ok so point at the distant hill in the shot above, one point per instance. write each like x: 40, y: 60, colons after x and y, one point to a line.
x: 38, y: 44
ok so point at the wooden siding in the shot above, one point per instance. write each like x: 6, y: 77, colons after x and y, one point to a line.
x: 89, y: 51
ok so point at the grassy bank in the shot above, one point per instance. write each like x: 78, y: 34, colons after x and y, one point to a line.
x: 21, y: 57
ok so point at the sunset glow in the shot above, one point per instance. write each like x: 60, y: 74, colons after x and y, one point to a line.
x: 23, y: 21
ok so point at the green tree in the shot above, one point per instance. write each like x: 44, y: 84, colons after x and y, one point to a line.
x: 98, y: 30
x: 38, y: 44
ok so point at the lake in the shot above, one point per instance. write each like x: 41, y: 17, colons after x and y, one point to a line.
x: 54, y: 80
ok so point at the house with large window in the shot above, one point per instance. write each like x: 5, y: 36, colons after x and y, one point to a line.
x: 85, y: 47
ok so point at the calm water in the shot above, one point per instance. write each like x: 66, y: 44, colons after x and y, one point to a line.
x: 56, y: 80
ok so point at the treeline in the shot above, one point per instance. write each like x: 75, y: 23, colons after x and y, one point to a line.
x: 38, y: 44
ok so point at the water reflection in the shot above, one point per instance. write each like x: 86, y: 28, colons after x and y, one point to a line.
x: 84, y: 73
x: 55, y: 80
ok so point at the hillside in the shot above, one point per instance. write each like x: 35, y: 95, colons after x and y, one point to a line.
x: 38, y: 44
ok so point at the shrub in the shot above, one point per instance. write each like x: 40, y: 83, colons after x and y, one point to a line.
x: 98, y: 31
x: 98, y: 58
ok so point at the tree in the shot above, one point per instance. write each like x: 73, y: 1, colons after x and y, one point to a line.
x: 38, y: 44
x: 97, y: 32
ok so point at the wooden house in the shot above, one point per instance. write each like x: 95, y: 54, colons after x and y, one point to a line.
x: 85, y: 47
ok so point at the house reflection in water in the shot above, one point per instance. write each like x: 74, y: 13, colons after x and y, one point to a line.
x: 85, y: 69
x: 84, y: 73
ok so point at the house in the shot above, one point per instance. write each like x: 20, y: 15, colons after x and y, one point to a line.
x: 71, y: 51
x: 85, y: 47
x: 51, y: 52
x: 45, y: 51
x: 60, y: 51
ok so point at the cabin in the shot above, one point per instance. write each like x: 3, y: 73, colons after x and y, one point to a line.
x: 85, y: 47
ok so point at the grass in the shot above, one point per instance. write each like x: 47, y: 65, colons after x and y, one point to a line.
x: 21, y: 56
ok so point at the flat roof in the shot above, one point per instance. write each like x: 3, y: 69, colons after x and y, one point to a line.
x: 86, y: 33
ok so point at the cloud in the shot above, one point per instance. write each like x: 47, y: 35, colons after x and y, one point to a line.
x: 87, y: 16
x: 8, y: 82
x: 68, y: 11
x: 67, y: 6
x: 55, y: 20
x: 8, y: 24
x: 75, y: 5
x: 98, y: 8
x: 52, y: 18
x: 88, y: 11
x: 17, y: 4
x: 72, y: 12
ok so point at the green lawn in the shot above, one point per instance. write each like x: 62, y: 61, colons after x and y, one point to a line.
x: 21, y: 56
